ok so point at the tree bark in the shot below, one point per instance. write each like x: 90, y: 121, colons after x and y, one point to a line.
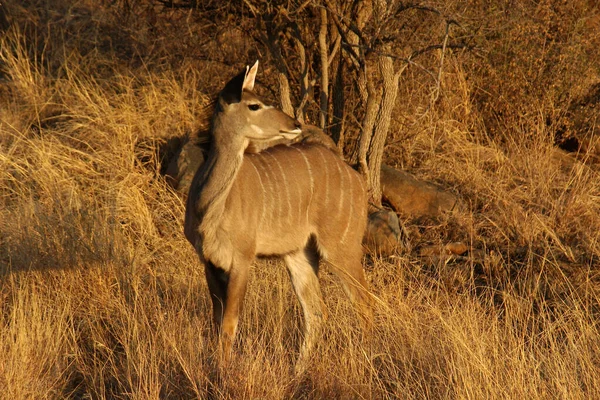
x: 324, y: 95
x: 338, y: 98
x: 365, y: 165
x: 382, y: 125
x: 284, y: 94
x: 305, y: 84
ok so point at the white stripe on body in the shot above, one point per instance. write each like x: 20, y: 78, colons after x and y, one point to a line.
x: 264, y: 192
x: 268, y: 190
x: 270, y: 177
x: 326, y: 169
x: 298, y: 184
x: 283, y: 217
x: 351, y: 211
x: 312, y: 181
x: 342, y: 193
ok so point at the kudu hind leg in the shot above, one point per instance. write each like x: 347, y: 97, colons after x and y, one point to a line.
x: 347, y: 266
x: 303, y: 267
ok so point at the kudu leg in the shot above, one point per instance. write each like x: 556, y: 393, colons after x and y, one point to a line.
x: 227, y: 291
x: 217, y: 281
x: 303, y: 266
x: 348, y: 267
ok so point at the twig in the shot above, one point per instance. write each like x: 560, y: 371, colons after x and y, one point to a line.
x: 439, y: 77
x: 324, y: 96
x: 336, y: 48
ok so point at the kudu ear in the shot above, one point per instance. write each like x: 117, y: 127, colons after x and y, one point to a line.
x: 232, y: 92
x: 250, y: 77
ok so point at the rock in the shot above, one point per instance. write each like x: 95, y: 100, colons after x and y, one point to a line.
x: 410, y: 196
x: 577, y: 132
x: 383, y: 233
x: 455, y: 252
x: 457, y: 248
x: 451, y: 249
x: 183, y: 166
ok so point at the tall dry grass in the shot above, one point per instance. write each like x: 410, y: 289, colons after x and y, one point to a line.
x: 102, y: 297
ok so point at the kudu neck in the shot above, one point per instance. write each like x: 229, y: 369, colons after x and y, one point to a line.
x: 223, y: 163
x: 222, y: 166
x: 225, y: 135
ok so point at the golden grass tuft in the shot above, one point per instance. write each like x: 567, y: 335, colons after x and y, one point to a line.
x: 101, y: 296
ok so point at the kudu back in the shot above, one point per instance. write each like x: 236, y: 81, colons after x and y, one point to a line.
x: 300, y: 202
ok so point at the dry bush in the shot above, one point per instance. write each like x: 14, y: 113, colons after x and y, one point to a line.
x: 102, y: 297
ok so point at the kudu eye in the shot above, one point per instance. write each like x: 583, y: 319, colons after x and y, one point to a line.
x: 254, y: 107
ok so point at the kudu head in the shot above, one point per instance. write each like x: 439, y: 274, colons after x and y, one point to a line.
x: 242, y: 117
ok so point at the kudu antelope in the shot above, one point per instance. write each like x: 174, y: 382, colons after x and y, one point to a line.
x: 301, y: 202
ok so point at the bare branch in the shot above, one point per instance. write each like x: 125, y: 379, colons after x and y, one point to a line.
x: 436, y: 92
x: 268, y: 36
x: 284, y: 93
x: 306, y: 97
x: 341, y: 32
x: 324, y: 97
x: 373, y: 100
x: 301, y: 7
x: 415, y: 6
x: 419, y: 52
x: 304, y: 67
x: 336, y: 48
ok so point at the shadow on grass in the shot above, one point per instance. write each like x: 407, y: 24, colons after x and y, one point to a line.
x: 40, y: 238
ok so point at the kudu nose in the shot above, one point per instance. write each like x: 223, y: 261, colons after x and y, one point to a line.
x: 297, y: 124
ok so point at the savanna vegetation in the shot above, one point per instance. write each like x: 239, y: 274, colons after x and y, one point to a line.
x: 101, y: 296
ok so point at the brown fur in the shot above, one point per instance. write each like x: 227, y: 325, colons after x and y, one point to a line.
x: 301, y: 202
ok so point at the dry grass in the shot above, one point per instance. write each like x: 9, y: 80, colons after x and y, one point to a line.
x: 102, y: 297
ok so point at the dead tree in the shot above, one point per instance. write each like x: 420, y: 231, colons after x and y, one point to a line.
x: 353, y: 52
x: 339, y: 64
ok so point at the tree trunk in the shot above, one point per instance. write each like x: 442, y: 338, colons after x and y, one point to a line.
x: 365, y: 165
x: 305, y: 84
x: 284, y: 94
x: 324, y: 96
x: 337, y: 122
x: 382, y: 125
